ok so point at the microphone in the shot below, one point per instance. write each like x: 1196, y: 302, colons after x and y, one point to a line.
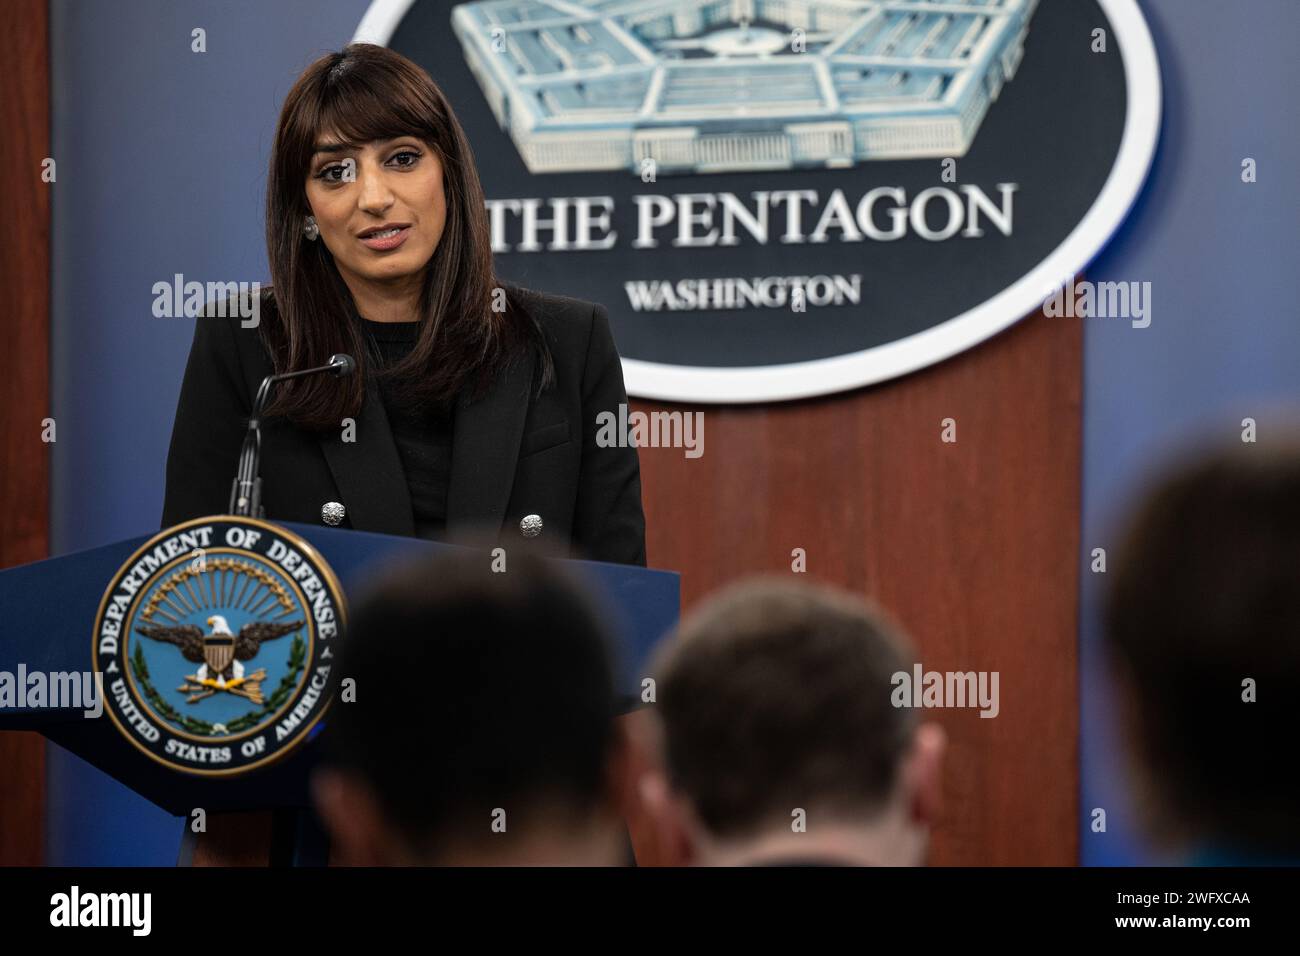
x: 246, y: 490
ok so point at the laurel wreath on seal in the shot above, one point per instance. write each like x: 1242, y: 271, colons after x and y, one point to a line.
x: 202, y: 728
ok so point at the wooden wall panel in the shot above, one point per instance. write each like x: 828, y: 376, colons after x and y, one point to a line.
x: 972, y: 546
x: 24, y: 373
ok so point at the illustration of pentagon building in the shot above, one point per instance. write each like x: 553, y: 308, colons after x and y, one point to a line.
x: 727, y: 85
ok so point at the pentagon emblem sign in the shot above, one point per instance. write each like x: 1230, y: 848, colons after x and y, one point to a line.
x: 776, y: 199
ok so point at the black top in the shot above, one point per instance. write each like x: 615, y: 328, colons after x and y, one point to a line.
x: 422, y: 433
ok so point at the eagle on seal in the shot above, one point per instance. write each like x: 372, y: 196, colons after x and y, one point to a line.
x: 220, y: 651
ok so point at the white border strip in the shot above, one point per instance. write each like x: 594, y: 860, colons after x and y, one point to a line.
x: 1022, y: 298
x: 381, y: 20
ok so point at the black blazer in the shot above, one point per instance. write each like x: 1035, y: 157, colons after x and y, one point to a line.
x: 514, y: 453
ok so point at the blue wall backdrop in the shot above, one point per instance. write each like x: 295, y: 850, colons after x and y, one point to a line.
x: 162, y: 156
x: 1224, y: 341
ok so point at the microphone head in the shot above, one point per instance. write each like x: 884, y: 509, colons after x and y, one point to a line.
x: 343, y: 364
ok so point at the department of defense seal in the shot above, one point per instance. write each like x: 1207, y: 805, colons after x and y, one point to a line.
x: 214, y: 641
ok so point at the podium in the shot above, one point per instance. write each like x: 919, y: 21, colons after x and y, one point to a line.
x: 48, y: 618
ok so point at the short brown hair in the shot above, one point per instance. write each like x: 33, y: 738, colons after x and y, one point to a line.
x: 1206, y: 593
x: 775, y: 695
x: 476, y: 690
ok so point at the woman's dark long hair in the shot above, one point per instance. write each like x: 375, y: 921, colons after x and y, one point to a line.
x: 364, y: 93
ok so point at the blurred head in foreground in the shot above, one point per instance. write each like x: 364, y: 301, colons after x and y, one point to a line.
x: 779, y: 742
x: 482, y: 730
x: 1203, y: 634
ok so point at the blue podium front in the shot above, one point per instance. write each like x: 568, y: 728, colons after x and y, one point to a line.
x: 48, y: 613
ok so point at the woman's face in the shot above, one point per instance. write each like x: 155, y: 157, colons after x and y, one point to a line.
x: 360, y: 194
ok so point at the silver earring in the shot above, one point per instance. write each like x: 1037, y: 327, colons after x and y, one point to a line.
x: 310, y: 229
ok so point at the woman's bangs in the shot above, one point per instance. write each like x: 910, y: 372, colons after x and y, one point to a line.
x: 358, y: 116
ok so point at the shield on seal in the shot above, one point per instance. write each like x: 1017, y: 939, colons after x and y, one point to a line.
x: 218, y: 651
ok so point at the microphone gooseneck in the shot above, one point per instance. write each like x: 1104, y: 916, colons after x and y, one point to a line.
x: 246, y: 490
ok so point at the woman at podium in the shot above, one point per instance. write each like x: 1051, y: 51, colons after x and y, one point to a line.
x: 474, y: 405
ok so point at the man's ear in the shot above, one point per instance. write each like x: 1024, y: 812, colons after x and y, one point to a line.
x: 625, y: 761
x: 676, y: 832
x: 923, y: 773
x: 633, y: 755
x: 660, y: 822
x: 350, y: 812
